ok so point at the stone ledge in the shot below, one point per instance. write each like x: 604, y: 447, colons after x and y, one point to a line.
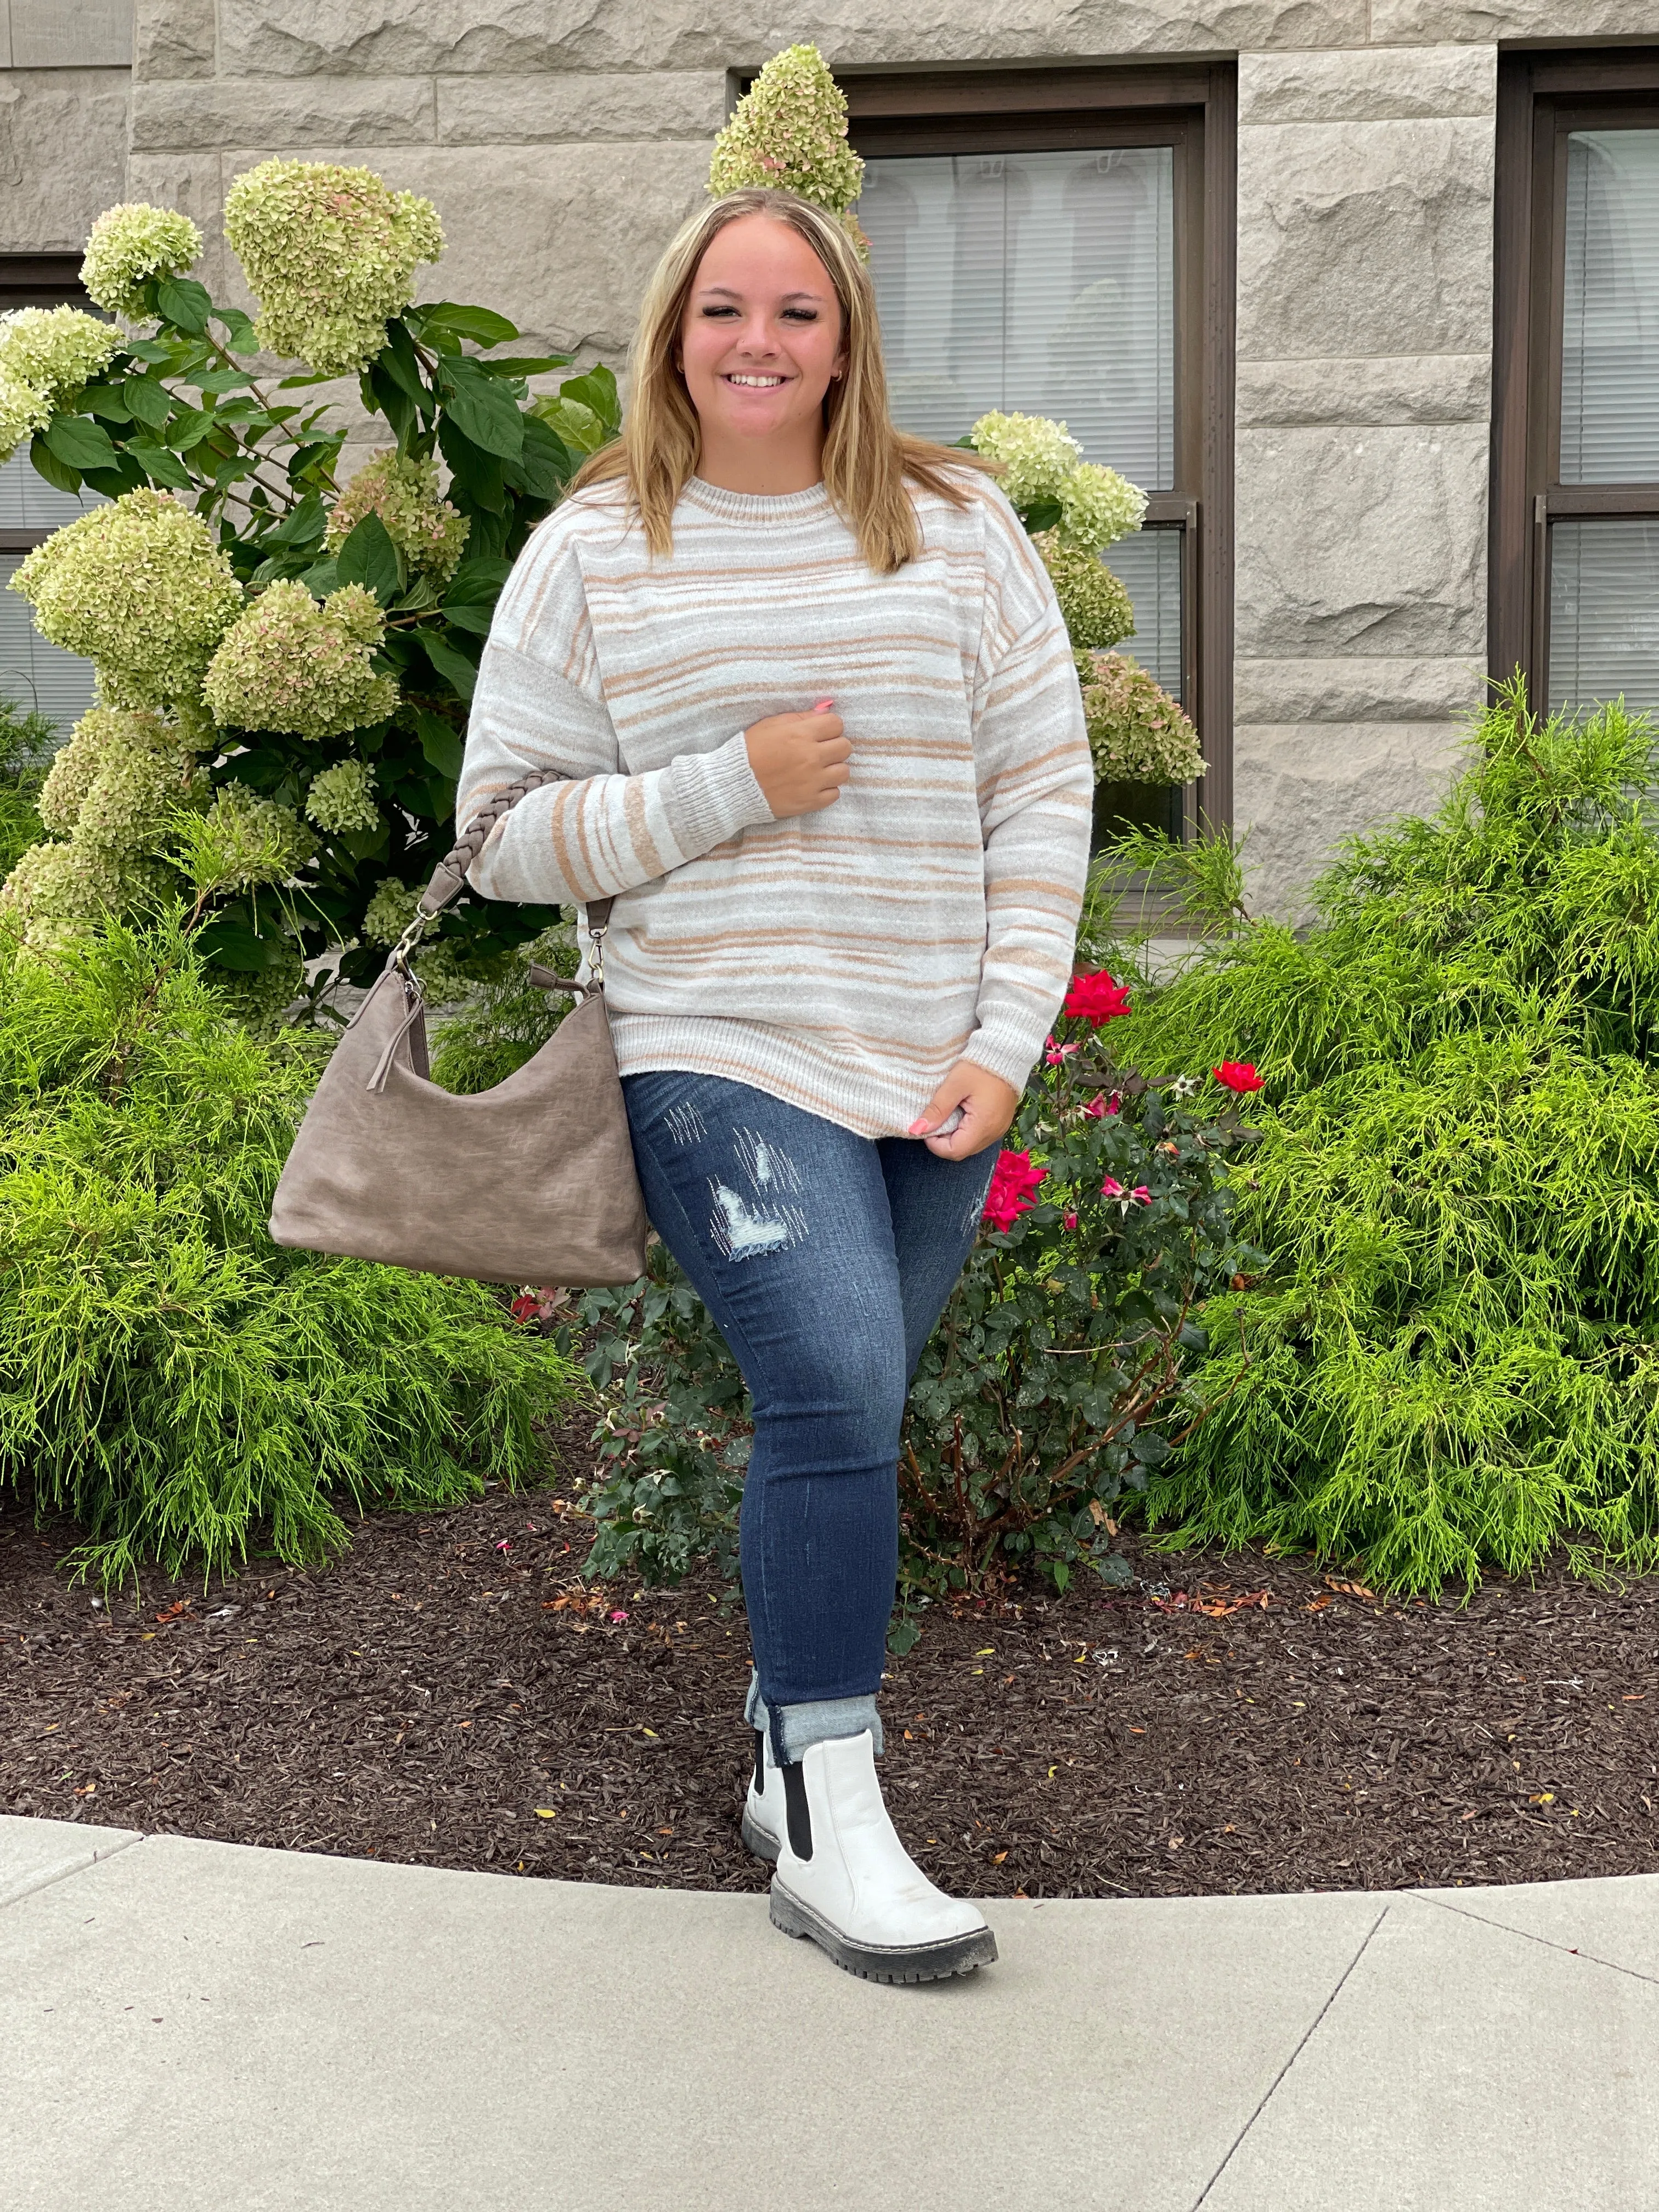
x: 1404, y: 83
x: 1366, y: 390
x: 405, y: 38
x: 1372, y: 543
x: 547, y: 109
x: 87, y: 35
x: 1365, y: 238
x: 192, y: 116
x: 1358, y: 688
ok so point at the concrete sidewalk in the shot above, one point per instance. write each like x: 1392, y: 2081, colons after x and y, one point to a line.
x: 202, y: 2026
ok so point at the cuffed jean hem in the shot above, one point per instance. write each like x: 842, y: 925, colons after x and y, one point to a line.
x: 793, y: 1730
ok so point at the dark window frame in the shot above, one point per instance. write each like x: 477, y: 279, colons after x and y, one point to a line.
x: 1541, y: 97
x: 1194, y: 109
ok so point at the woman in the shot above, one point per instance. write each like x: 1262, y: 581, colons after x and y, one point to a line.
x: 823, y: 741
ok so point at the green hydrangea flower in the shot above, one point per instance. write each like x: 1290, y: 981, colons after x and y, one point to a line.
x: 790, y: 130
x: 429, y: 533
x: 342, y: 798
x: 245, y: 839
x: 22, y: 412
x: 56, y: 349
x: 117, y: 782
x: 259, y: 997
x: 1093, y: 603
x: 140, y: 589
x: 1037, y: 455
x: 290, y: 665
x: 130, y: 244
x: 390, y: 911
x: 1137, y: 733
x: 330, y: 254
x: 56, y: 890
x: 1097, y: 507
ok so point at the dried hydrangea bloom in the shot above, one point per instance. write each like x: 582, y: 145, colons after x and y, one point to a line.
x: 390, y: 911
x: 292, y: 665
x: 117, y: 780
x: 429, y: 533
x: 130, y: 244
x: 790, y: 130
x: 138, y: 587
x: 1097, y: 507
x: 1137, y: 733
x: 342, y: 798
x: 1037, y: 455
x: 1095, y: 606
x: 330, y: 253
x: 257, y: 998
x: 246, y: 839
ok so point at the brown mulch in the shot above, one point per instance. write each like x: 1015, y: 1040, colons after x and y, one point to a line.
x: 452, y: 1695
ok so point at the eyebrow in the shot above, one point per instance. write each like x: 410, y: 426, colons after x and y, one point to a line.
x: 731, y: 293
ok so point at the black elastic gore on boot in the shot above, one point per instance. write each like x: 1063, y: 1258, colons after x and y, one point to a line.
x: 760, y: 1763
x: 798, y: 1812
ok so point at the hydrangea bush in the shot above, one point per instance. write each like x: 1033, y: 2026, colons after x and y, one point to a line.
x: 308, y: 645
x: 1137, y: 733
x: 789, y: 130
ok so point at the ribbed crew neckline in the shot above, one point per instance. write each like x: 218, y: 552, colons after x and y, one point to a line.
x: 758, y: 506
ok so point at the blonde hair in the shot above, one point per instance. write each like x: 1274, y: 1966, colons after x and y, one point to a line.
x: 867, y: 463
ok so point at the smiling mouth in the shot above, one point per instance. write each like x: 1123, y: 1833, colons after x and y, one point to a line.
x: 756, y: 383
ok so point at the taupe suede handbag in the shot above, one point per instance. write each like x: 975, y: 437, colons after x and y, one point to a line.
x: 531, y: 1183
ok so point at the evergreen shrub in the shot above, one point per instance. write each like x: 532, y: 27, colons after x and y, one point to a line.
x: 1451, y: 1358
x: 169, y: 1378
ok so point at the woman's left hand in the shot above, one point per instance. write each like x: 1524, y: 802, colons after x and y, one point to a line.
x: 988, y: 1106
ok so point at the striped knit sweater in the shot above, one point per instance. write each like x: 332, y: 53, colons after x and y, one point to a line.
x: 842, y: 961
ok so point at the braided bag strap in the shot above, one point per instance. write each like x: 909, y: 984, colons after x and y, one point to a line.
x: 449, y: 878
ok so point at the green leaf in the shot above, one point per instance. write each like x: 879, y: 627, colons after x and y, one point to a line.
x: 477, y: 475
x: 322, y: 579
x: 304, y: 527
x: 184, y: 303
x: 547, y: 464
x: 577, y: 425
x: 1042, y: 514
x: 481, y: 409
x: 160, y: 465
x: 240, y: 336
x: 596, y: 389
x: 80, y: 443
x: 231, y: 944
x: 477, y: 583
x: 296, y: 383
x: 149, y: 399
x: 453, y: 666
x: 525, y: 364
x: 401, y: 364
x: 369, y: 557
x: 188, y: 427
x: 383, y: 395
x: 106, y: 403
x: 126, y: 475
x: 441, y: 746
x: 221, y: 380
x: 476, y: 619
x: 149, y: 349
x: 482, y: 324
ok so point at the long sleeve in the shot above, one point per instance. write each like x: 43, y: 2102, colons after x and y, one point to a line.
x: 540, y: 704
x: 1036, y: 796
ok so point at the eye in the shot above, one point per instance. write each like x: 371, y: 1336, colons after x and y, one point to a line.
x: 801, y: 314
x: 710, y: 313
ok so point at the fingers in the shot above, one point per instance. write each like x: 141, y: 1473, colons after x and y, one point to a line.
x: 940, y: 1107
x: 987, y: 1104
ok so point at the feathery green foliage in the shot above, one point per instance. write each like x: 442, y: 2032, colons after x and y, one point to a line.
x: 1451, y: 1360
x: 168, y: 1378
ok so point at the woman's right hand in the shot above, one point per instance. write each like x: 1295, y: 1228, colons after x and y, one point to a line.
x: 799, y: 761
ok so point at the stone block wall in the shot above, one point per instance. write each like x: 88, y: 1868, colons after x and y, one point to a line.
x: 65, y: 66
x: 562, y: 142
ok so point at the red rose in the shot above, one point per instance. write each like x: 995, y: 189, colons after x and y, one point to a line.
x: 1096, y: 998
x: 1013, y: 1181
x: 1236, y: 1075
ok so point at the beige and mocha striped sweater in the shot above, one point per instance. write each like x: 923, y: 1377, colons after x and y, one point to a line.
x: 842, y: 961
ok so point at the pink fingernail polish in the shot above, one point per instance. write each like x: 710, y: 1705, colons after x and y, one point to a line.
x: 918, y: 1125
x: 822, y: 706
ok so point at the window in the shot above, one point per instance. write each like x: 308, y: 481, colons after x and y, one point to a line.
x: 31, y: 673
x: 1575, y: 564
x: 1061, y: 242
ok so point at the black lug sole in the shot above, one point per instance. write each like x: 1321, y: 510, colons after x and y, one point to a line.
x: 923, y: 1962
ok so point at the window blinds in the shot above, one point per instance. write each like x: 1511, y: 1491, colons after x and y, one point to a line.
x: 1610, y: 324
x: 31, y: 673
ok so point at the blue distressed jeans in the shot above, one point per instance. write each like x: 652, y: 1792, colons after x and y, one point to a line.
x: 825, y: 1259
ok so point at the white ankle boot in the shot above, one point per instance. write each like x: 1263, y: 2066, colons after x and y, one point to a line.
x: 844, y: 1878
x: 763, y: 1811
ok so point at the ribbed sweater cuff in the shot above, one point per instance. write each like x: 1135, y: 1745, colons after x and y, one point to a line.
x: 714, y: 796
x: 1001, y: 1051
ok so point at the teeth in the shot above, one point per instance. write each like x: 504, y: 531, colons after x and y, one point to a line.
x: 764, y: 383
